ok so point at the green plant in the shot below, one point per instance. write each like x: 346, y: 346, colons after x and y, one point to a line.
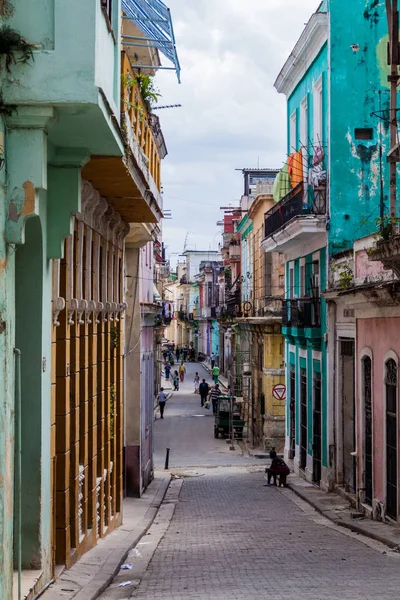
x: 113, y: 397
x: 147, y: 89
x: 346, y: 275
x: 14, y: 47
x: 386, y: 225
x: 114, y: 335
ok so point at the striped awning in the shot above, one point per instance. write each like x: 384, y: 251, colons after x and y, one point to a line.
x: 153, y: 18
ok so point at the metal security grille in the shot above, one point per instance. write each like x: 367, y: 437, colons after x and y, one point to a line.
x: 367, y: 379
x: 317, y: 429
x: 391, y: 438
x: 303, y: 419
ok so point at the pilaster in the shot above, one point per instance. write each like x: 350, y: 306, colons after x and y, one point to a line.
x: 64, y: 196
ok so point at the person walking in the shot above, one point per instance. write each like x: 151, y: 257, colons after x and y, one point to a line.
x: 167, y: 371
x: 162, y: 398
x: 196, y: 382
x: 204, y: 388
x: 215, y: 373
x: 212, y: 360
x: 177, y: 353
x: 215, y: 392
x: 182, y: 372
x: 185, y: 353
x: 176, y: 381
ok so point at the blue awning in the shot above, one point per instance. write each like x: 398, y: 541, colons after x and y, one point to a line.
x: 153, y: 19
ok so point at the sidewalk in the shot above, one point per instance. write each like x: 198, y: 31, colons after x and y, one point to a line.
x: 92, y: 574
x: 339, y: 511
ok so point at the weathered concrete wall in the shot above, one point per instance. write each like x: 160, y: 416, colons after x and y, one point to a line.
x: 7, y: 342
x: 378, y: 338
x: 132, y: 375
x: 358, y: 89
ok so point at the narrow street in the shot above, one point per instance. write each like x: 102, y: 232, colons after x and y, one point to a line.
x: 187, y: 429
x: 223, y: 535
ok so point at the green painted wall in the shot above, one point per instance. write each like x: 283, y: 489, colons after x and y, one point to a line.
x: 359, y: 88
x: 7, y: 320
x: 304, y: 89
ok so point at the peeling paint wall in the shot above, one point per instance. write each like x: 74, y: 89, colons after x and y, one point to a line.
x: 358, y: 72
x: 7, y: 320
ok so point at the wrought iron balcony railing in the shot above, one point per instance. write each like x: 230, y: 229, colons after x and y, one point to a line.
x: 301, y: 312
x: 293, y: 205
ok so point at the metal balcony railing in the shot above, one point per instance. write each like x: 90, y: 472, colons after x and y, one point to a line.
x: 293, y: 205
x: 301, y: 312
x: 133, y: 106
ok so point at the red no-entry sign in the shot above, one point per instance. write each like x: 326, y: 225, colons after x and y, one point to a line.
x: 279, y: 391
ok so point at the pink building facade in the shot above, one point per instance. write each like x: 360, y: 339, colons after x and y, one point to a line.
x: 367, y: 309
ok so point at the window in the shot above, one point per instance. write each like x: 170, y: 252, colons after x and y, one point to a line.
x: 317, y: 99
x: 291, y: 282
x: 302, y: 279
x: 315, y: 278
x: 293, y: 132
x: 304, y: 122
x: 365, y: 133
x: 107, y: 8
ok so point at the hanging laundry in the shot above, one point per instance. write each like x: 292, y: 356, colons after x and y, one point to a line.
x: 295, y: 164
x: 318, y: 157
x: 282, y: 183
x: 316, y: 176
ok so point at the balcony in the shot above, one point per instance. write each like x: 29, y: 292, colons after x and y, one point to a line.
x: 294, y: 218
x: 301, y: 313
x: 132, y: 183
x: 81, y: 83
x: 234, y: 253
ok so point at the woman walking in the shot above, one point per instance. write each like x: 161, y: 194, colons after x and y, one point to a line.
x: 182, y: 372
x: 175, y: 379
x: 196, y: 382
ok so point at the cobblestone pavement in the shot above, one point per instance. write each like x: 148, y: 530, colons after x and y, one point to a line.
x: 188, y: 430
x: 232, y: 538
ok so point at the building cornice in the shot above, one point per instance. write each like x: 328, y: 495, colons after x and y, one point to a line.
x: 309, y: 45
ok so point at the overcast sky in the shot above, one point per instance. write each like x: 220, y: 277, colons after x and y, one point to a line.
x: 230, y: 52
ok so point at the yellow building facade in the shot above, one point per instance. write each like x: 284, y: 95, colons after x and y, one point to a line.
x: 267, y: 349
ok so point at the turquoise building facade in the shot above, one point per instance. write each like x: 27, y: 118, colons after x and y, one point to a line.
x: 335, y: 82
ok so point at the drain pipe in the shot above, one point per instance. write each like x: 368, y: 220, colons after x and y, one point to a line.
x: 18, y: 468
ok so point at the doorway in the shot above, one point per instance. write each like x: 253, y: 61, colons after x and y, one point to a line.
x: 367, y: 393
x: 303, y: 419
x: 292, y: 414
x: 317, y: 429
x: 28, y: 334
x: 347, y: 361
x: 391, y: 438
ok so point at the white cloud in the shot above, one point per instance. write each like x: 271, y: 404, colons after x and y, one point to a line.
x: 231, y: 52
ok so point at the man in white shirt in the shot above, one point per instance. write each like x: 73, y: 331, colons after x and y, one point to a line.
x: 162, y: 398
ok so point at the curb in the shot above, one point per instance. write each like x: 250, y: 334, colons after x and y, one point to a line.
x: 208, y: 369
x: 338, y: 521
x: 108, y: 570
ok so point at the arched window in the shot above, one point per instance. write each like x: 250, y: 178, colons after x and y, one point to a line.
x: 391, y: 437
